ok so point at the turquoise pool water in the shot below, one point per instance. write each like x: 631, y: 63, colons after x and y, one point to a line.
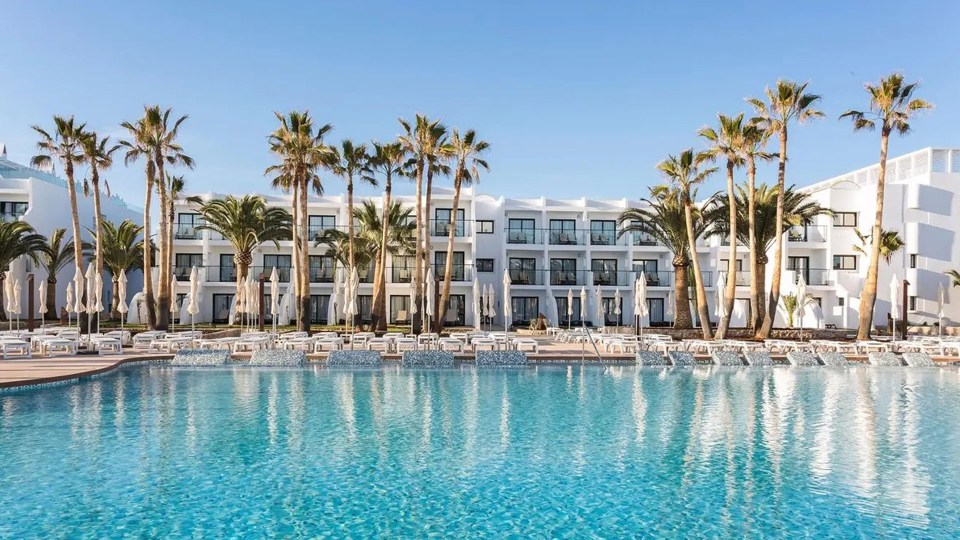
x: 544, y: 452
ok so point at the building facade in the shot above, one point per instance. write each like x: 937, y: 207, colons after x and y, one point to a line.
x: 555, y: 249
x: 41, y: 199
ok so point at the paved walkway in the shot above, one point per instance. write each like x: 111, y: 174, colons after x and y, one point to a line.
x: 44, y: 370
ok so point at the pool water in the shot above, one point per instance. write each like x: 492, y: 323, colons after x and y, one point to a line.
x: 156, y: 451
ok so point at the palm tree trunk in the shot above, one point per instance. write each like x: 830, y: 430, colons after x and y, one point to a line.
x: 730, y: 292
x: 304, y: 325
x: 448, y: 271
x: 72, y: 191
x: 350, y: 259
x: 51, y: 298
x: 774, y: 297
x: 752, y: 234
x: 418, y: 254
x: 426, y: 238
x: 868, y: 298
x: 702, y: 310
x: 681, y: 297
x: 147, y: 254
x: 380, y: 287
x: 163, y: 288
x: 295, y: 259
x: 761, y: 285
x: 114, y: 291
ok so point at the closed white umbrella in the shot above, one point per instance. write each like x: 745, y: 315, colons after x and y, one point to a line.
x: 801, y: 300
x: 173, y: 300
x: 193, y: 307
x: 274, y: 297
x: 720, y: 310
x: 43, y: 301
x: 569, y: 306
x: 616, y: 306
x: 253, y: 298
x: 431, y: 291
x: 599, y: 314
x: 489, y: 301
x: 640, y: 300
x: 122, y: 297
x: 894, y: 308
x: 15, y: 301
x: 98, y: 297
x: 353, y: 284
x: 334, y: 304
x: 69, y: 306
x: 78, y: 306
x: 91, y: 299
x: 583, y: 305
x: 283, y: 318
x: 8, y: 298
x: 477, y: 301
x: 507, y: 303
x: 668, y: 308
x: 414, y: 308
x: 940, y: 303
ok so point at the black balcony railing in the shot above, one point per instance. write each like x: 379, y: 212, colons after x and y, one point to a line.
x: 808, y: 233
x: 187, y: 230
x: 566, y: 237
x: 441, y: 228
x: 524, y: 236
x: 521, y: 276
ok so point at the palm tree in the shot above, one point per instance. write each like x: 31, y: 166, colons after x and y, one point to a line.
x: 54, y: 257
x: 65, y: 145
x: 399, y: 239
x: 437, y: 165
x: 137, y: 147
x: 466, y: 151
x: 754, y: 144
x: 892, y: 105
x: 246, y: 223
x: 98, y: 154
x: 387, y: 159
x: 786, y: 102
x: 890, y: 244
x: 664, y: 219
x: 418, y: 141
x: 175, y: 187
x: 301, y: 151
x: 121, y: 251
x: 351, y: 162
x: 798, y: 210
x: 684, y: 171
x: 17, y: 239
x: 728, y: 142
x: 954, y: 277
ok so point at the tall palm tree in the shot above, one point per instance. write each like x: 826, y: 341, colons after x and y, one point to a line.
x: 98, y: 154
x: 66, y: 146
x: 728, y: 142
x: 664, y: 219
x: 798, y: 210
x: 351, y: 162
x: 684, y: 171
x: 891, y: 105
x: 437, y: 165
x: 465, y: 151
x: 246, y: 223
x: 121, y: 250
x: 165, y: 151
x: 175, y: 187
x: 301, y: 151
x: 54, y: 257
x: 418, y: 140
x: 786, y: 102
x: 890, y: 244
x: 137, y: 147
x: 17, y: 239
x: 387, y: 159
x: 754, y: 144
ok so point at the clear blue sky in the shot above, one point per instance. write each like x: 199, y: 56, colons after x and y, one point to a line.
x: 576, y: 98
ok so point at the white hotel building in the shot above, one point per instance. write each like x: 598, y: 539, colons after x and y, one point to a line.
x: 553, y: 246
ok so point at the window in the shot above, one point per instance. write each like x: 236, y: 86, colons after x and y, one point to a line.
x: 222, y: 303
x: 321, y: 269
x: 485, y: 226
x: 441, y: 224
x: 186, y: 227
x: 281, y: 262
x: 650, y: 269
x: 525, y: 309
x: 725, y: 265
x: 913, y: 260
x: 817, y: 300
x: 610, y: 315
x: 184, y: 262
x: 840, y: 301
x: 521, y: 231
x: 523, y: 271
x: 456, y: 310
x: 844, y: 219
x: 319, y: 307
x: 603, y: 232
x: 563, y: 271
x: 402, y: 268
x: 844, y: 262
x: 400, y: 309
x: 440, y: 266
x: 228, y: 272
x: 604, y: 271
x: 563, y: 232
x: 800, y: 265
x: 484, y: 265
x: 655, y: 312
x: 316, y: 225
x: 641, y: 234
x: 571, y: 316
x: 912, y: 303
x: 10, y: 211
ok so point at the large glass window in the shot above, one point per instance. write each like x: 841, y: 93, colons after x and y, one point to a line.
x: 844, y: 262
x: 458, y: 273
x: 604, y: 271
x: 316, y: 225
x: 563, y: 232
x: 281, y: 262
x: 442, y: 222
x: 456, y: 310
x: 521, y: 231
x: 400, y: 309
x: 523, y: 271
x: 844, y: 219
x: 222, y: 303
x: 603, y: 232
x: 319, y: 307
x: 365, y: 306
x: 402, y: 268
x: 563, y: 271
x: 321, y: 269
x: 641, y: 234
x: 525, y: 309
x: 183, y: 264
x: 651, y: 272
x: 186, y: 227
x: 11, y: 211
x: 228, y: 272
x: 574, y: 317
x: 610, y: 315
x: 800, y: 265
x: 655, y: 309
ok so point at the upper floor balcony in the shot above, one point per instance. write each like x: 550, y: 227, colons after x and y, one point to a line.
x: 807, y: 233
x: 441, y: 228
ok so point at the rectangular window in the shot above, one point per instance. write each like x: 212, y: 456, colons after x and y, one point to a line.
x: 912, y: 303
x: 222, y: 304
x: 402, y: 268
x: 400, y: 309
x: 184, y: 262
x: 321, y: 269
x: 569, y: 316
x: 525, y: 309
x: 609, y: 307
x: 485, y: 226
x: 603, y: 232
x: 604, y: 271
x: 523, y: 271
x: 228, y: 272
x: 456, y: 310
x: 484, y: 265
x: 563, y: 271
x: 186, y: 227
x: 840, y: 301
x: 913, y: 260
x: 441, y: 222
x: 521, y: 231
x: 563, y: 232
x: 458, y: 273
x: 844, y: 219
x: 655, y: 310
x: 800, y: 265
x: 11, y: 211
x: 319, y: 307
x: 844, y: 262
x: 651, y: 272
x: 281, y: 262
x: 725, y: 265
x: 316, y: 225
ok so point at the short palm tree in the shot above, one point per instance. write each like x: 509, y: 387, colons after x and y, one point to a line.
x: 122, y: 247
x: 890, y: 244
x: 466, y: 151
x: 17, y: 239
x: 954, y: 277
x: 798, y: 210
x: 246, y: 223
x: 54, y: 257
x: 299, y: 147
x: 684, y: 170
x: 664, y: 219
x: 728, y: 142
x: 785, y: 103
x: 351, y: 162
x: 891, y: 105
x: 388, y: 160
x: 66, y: 145
x: 98, y: 155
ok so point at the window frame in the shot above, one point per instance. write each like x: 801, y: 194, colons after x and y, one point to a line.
x: 841, y: 266
x: 482, y: 265
x: 844, y: 224
x: 482, y: 226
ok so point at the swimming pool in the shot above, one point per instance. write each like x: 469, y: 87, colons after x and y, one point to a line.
x: 548, y: 451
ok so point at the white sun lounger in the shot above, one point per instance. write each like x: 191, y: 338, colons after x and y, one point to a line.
x: 526, y: 344
x: 451, y: 344
x: 16, y: 348
x: 484, y: 343
x: 404, y: 344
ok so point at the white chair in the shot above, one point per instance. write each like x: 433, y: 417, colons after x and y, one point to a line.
x: 59, y: 346
x: 378, y: 344
x: 484, y: 343
x: 526, y: 344
x: 16, y: 348
x: 451, y: 344
x: 404, y: 344
x: 108, y: 345
x: 328, y: 344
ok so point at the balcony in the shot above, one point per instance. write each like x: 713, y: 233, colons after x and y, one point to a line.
x: 603, y: 238
x: 524, y: 236
x: 402, y: 274
x: 8, y: 217
x: 283, y: 273
x: 568, y: 237
x: 221, y: 274
x: 566, y: 278
x: 187, y: 231
x: 657, y: 279
x: 459, y: 272
x: 321, y: 275
x: 441, y: 228
x: 609, y: 278
x: 638, y: 238
x: 813, y: 276
x: 519, y: 276
x: 808, y: 233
